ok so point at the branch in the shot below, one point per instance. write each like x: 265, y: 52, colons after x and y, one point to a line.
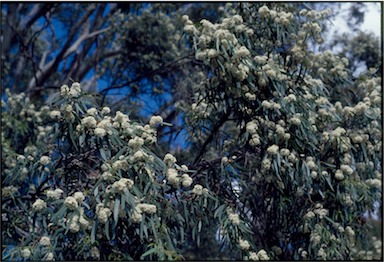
x: 216, y: 128
x: 51, y: 66
x: 77, y: 44
x: 137, y: 79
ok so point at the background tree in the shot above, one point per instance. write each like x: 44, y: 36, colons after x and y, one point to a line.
x: 292, y: 159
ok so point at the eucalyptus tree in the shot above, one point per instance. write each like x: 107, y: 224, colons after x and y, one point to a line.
x: 277, y: 164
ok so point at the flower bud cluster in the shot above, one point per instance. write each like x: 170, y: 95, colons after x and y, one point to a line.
x: 73, y: 202
x: 103, y: 213
x: 54, y: 194
x: 77, y: 222
x: 233, y: 56
x: 118, y: 187
x: 233, y: 217
x: 39, y: 205
x: 71, y: 92
x: 282, y: 17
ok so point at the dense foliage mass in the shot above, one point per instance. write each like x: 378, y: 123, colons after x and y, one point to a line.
x: 283, y: 157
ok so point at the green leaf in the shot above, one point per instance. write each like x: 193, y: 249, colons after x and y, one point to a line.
x: 93, y: 233
x: 116, y: 210
x: 59, y: 213
x: 72, y: 136
x: 103, y: 154
x: 199, y: 226
x: 153, y: 228
x: 182, y: 234
x: 151, y: 251
x: 219, y: 210
x: 106, y: 230
x: 328, y: 179
x: 82, y: 139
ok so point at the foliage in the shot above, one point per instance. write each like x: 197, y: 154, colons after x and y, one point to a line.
x: 284, y: 142
x: 116, y: 192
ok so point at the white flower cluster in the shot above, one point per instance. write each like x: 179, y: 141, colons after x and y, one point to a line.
x: 347, y: 200
x: 320, y: 211
x: 374, y: 183
x: 169, y: 160
x: 266, y: 164
x: 45, y: 241
x: 130, y: 130
x: 186, y: 180
x: 309, y: 215
x: 282, y: 17
x: 95, y: 253
x: 136, y: 143
x: 172, y: 174
x: 198, y: 190
x: 25, y: 253
x: 103, y: 213
x: 139, y: 159
x: 172, y: 177
x: 55, y: 114
x: 290, y: 98
x: 252, y: 128
x: 121, y: 120
x: 92, y: 111
x: 54, y: 194
x: 351, y: 235
x: 73, y: 91
x: 273, y: 150
x: 39, y: 205
x: 155, y: 120
x: 233, y: 217
x: 72, y: 202
x: 270, y: 105
x: 106, y: 110
x: 45, y: 160
x: 79, y: 197
x: 31, y: 152
x: 244, y: 244
x: 141, y: 208
x: 146, y: 208
x: 43, y: 131
x: 315, y: 238
x: 78, y: 222
x: 253, y: 256
x: 9, y: 191
x: 295, y: 120
x: 89, y: 122
x: 261, y: 255
x: 119, y: 186
x: 68, y: 112
x: 224, y: 33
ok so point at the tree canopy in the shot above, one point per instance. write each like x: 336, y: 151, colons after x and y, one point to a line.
x: 170, y: 131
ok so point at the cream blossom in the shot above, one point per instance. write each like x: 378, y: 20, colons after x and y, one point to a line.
x: 272, y: 150
x: 71, y: 203
x: 155, y: 120
x: 45, y: 241
x: 198, y: 189
x: 45, y: 160
x: 244, y: 244
x: 39, y: 205
x: 79, y: 196
x: 25, y: 252
x: 54, y: 194
x: 55, y: 114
